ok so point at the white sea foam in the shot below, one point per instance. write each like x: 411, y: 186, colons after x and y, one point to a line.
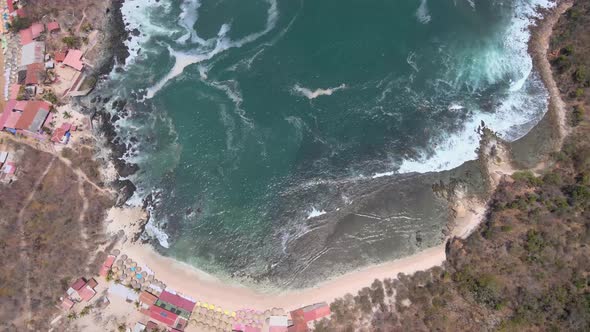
x: 309, y: 94
x: 137, y: 15
x: 422, y: 13
x: 155, y: 232
x: 455, y: 107
x: 516, y: 111
x: 187, y: 19
x: 315, y: 213
x: 411, y: 60
x: 204, y: 52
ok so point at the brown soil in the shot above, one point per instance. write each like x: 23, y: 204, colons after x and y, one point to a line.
x: 48, y: 234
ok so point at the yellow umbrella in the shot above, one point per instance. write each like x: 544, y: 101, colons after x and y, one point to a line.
x: 226, y: 313
x: 212, y: 307
x: 204, y: 305
x: 233, y: 314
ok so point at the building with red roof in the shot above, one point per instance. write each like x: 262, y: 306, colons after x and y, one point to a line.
x: 57, y: 137
x: 108, y: 263
x: 304, y: 318
x: 14, y: 90
x: 34, y: 115
x: 52, y: 26
x: 21, y: 12
x: 74, y: 59
x: 26, y: 36
x: 178, y: 301
x: 59, y: 56
x: 37, y: 29
x: 10, y: 6
x: 163, y: 315
x: 67, y: 304
x: 35, y: 73
x: 10, y: 116
x: 86, y: 293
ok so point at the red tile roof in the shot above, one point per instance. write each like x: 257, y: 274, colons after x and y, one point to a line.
x: 147, y: 298
x: 21, y: 105
x: 163, y: 315
x: 106, y: 266
x: 21, y: 12
x: 14, y: 90
x: 86, y: 293
x: 26, y: 36
x: 92, y: 283
x: 37, y: 29
x: 67, y: 304
x: 178, y: 301
x: 74, y: 59
x: 110, y: 258
x: 10, y: 6
x: 78, y: 284
x: 52, y: 26
x: 7, y: 117
x: 32, y: 111
x: 34, y: 73
x: 316, y: 311
x: 59, y: 56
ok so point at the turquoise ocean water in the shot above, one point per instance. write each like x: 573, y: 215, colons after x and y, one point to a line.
x: 284, y: 139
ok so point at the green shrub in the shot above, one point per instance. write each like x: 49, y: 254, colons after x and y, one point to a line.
x: 19, y: 23
x: 527, y: 177
x: 579, y: 93
x: 580, y: 74
x: 553, y: 179
x: 578, y: 115
x: 71, y: 41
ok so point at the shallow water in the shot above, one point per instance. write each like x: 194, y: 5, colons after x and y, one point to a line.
x: 283, y: 137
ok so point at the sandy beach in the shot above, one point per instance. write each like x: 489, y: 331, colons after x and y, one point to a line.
x: 207, y: 288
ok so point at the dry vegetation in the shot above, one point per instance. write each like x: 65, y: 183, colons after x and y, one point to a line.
x: 527, y: 268
x: 50, y: 244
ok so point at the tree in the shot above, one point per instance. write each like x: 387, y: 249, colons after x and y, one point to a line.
x: 19, y: 23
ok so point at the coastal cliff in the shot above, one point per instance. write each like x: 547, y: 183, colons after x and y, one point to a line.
x: 525, y: 267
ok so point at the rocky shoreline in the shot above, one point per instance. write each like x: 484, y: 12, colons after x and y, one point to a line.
x: 114, y: 52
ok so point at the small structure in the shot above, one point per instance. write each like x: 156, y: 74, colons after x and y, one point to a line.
x: 67, y: 304
x: 108, y: 263
x: 32, y: 52
x: 278, y: 323
x: 52, y: 26
x: 151, y: 326
x: 33, y: 116
x: 10, y: 6
x: 26, y: 36
x: 304, y: 318
x: 139, y: 327
x: 82, y: 290
x: 171, y: 309
x: 35, y: 74
x: 59, y: 56
x: 37, y: 29
x: 147, y: 299
x: 62, y: 135
x: 74, y: 59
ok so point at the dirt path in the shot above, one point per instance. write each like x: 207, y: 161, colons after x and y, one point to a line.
x: 538, y: 47
x: 23, y: 242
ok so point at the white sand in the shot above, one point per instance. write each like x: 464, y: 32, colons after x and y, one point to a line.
x: 206, y: 288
